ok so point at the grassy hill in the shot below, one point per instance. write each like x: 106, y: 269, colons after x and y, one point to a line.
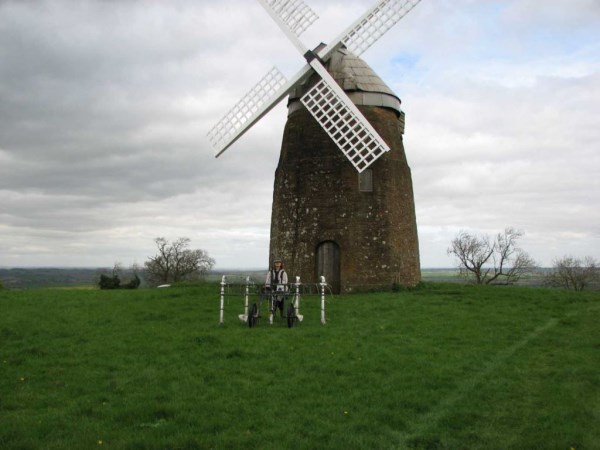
x: 445, y: 366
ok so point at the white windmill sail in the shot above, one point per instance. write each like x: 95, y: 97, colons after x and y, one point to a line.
x: 385, y: 13
x: 226, y: 131
x: 375, y: 23
x: 361, y: 145
x: 294, y: 13
x: 327, y: 101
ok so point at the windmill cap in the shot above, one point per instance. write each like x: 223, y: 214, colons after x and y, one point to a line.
x: 356, y: 77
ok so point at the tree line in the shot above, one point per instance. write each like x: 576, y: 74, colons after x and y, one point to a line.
x: 480, y: 258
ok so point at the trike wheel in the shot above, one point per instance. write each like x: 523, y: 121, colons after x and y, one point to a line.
x: 253, y: 315
x: 291, y: 316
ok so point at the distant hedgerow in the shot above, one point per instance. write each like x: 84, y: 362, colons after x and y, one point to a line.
x: 114, y: 282
x: 109, y: 282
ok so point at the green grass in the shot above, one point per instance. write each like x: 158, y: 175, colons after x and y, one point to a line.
x: 447, y: 366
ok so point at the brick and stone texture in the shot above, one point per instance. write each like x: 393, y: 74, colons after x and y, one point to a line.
x: 317, y: 199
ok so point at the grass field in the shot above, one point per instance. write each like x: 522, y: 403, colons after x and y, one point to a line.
x: 447, y: 366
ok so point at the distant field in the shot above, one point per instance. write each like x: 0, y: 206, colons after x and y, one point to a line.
x: 446, y: 366
x: 441, y: 275
x: 61, y: 277
x: 47, y: 277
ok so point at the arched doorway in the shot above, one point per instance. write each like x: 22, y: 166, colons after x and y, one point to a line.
x: 328, y: 264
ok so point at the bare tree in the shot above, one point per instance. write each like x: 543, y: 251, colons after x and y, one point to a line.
x: 573, y: 273
x: 472, y: 253
x: 176, y: 262
x: 491, y: 262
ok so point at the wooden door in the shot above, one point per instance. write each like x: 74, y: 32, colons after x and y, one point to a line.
x: 328, y: 264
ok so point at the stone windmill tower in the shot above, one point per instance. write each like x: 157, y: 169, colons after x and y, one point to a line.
x: 357, y: 229
x: 348, y: 215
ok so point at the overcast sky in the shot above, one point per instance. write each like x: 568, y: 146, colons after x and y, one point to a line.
x: 105, y: 106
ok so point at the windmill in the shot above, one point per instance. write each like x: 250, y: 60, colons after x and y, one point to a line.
x: 348, y: 130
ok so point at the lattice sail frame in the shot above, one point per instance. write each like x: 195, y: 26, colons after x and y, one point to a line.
x: 356, y: 141
x: 248, y: 107
x: 375, y: 24
x: 295, y: 13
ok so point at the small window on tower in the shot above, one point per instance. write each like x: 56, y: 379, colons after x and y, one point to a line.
x: 365, y: 181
